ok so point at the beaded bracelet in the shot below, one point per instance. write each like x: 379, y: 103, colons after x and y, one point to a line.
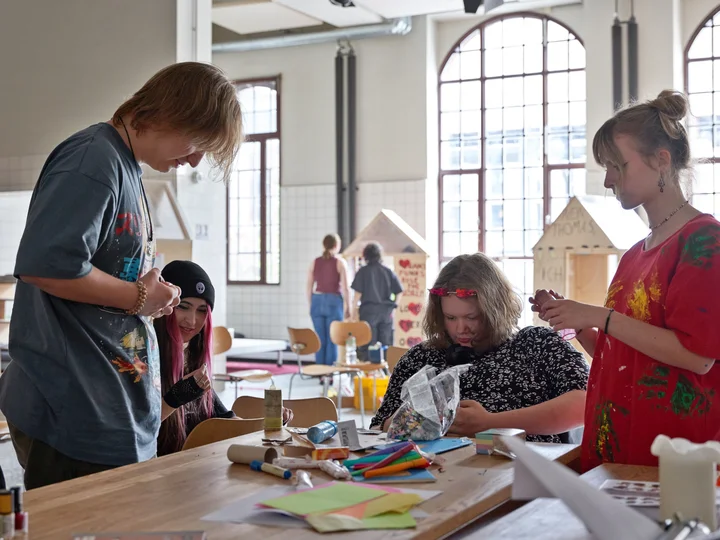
x: 142, y: 297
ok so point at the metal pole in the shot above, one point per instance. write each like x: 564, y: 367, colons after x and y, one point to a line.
x: 340, y: 143
x: 352, y: 132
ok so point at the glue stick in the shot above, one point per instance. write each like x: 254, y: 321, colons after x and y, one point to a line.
x: 273, y: 408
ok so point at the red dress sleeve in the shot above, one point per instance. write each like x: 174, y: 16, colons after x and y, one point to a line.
x: 692, y: 305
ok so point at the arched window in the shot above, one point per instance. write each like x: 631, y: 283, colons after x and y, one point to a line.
x: 702, y: 84
x: 253, y: 207
x: 512, y: 139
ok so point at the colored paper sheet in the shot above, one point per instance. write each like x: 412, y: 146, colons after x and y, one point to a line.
x: 337, y: 522
x: 333, y: 497
x: 398, y: 503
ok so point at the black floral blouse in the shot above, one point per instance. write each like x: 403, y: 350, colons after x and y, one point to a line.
x: 533, y: 366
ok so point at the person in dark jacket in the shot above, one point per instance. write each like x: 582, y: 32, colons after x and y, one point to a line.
x: 377, y: 290
x: 185, y: 345
x: 186, y: 351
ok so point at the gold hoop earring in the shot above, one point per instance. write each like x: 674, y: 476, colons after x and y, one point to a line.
x: 661, y: 183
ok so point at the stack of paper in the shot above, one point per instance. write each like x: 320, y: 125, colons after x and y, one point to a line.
x: 334, y: 506
x: 346, y: 507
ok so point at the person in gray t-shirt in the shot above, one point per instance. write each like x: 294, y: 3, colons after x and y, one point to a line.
x: 82, y: 392
x: 378, y: 290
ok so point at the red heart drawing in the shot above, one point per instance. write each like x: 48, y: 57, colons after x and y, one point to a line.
x: 404, y: 263
x: 412, y: 341
x: 406, y: 324
x: 415, y: 308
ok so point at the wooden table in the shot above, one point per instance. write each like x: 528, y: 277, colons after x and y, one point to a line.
x: 551, y: 519
x: 174, y: 492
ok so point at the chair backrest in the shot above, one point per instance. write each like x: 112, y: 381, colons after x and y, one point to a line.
x: 218, y: 429
x: 309, y: 411
x: 339, y: 332
x: 306, y: 412
x: 393, y: 356
x: 304, y: 341
x: 249, y: 407
x: 222, y: 340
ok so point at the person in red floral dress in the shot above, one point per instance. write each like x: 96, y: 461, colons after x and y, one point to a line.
x: 655, y: 341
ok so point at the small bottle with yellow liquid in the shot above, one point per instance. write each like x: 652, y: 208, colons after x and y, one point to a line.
x: 273, y: 409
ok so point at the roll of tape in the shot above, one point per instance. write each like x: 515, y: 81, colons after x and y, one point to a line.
x: 238, y: 453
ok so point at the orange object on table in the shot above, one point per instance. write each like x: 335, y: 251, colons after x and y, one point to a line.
x: 421, y: 463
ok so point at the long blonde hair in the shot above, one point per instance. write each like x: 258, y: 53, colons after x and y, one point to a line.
x: 500, y: 306
x: 193, y: 99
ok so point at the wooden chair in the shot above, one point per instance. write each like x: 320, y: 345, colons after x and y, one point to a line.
x: 340, y: 331
x: 306, y: 341
x: 222, y: 340
x: 393, y: 356
x: 306, y: 412
x: 218, y: 429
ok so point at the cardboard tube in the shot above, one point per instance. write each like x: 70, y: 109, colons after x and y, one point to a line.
x: 238, y: 453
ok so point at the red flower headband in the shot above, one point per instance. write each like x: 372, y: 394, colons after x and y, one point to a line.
x: 460, y: 293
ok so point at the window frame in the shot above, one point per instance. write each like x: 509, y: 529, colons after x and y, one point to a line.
x: 263, y: 139
x: 481, y: 170
x: 714, y: 161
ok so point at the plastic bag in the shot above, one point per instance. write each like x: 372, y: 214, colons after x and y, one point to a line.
x: 429, y: 404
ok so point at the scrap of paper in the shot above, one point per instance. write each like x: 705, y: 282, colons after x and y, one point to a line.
x: 334, y: 497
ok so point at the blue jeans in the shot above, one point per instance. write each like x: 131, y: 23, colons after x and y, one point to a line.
x: 325, y: 309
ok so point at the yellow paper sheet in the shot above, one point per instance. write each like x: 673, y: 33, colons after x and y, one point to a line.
x: 334, y: 497
x: 336, y: 522
x: 392, y: 502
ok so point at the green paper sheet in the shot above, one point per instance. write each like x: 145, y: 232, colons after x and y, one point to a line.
x: 333, y: 497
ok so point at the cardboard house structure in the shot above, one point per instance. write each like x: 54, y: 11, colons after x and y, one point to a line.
x: 405, y: 251
x: 578, y: 253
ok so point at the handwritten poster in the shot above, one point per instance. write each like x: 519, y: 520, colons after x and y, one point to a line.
x: 410, y: 269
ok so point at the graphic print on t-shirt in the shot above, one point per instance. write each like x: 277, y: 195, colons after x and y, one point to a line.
x: 140, y: 343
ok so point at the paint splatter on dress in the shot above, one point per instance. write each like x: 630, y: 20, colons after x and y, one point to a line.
x: 631, y: 397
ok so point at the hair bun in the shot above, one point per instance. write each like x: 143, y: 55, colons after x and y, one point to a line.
x: 672, y: 104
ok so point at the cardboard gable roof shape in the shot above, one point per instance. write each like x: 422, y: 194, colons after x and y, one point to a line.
x: 392, y: 232
x: 591, y: 221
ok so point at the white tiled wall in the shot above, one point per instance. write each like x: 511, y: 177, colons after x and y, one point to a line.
x: 21, y: 172
x: 13, y: 213
x: 307, y: 215
x: 406, y: 198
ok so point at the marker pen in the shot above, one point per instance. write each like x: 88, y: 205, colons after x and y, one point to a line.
x: 21, y: 518
x: 270, y: 469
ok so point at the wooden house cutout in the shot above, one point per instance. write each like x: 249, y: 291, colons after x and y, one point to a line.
x: 577, y: 255
x: 405, y: 251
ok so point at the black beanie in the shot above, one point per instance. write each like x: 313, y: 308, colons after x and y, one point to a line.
x: 192, y: 280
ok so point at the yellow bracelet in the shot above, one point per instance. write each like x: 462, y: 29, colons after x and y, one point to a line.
x: 142, y: 297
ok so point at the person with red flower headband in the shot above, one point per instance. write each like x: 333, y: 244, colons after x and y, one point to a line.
x: 528, y: 379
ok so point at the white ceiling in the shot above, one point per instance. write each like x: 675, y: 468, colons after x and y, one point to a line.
x: 391, y: 9
x: 331, y: 14
x: 256, y: 16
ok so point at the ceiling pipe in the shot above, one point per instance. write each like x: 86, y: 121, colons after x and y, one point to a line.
x: 395, y: 27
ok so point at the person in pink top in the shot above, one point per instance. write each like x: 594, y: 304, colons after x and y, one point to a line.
x: 328, y: 294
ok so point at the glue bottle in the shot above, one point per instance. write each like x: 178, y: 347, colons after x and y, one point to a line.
x: 7, y: 514
x: 322, y: 431
x: 273, y: 409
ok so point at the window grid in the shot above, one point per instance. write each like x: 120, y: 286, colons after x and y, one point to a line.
x: 512, y: 119
x: 702, y: 85
x: 253, y: 200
